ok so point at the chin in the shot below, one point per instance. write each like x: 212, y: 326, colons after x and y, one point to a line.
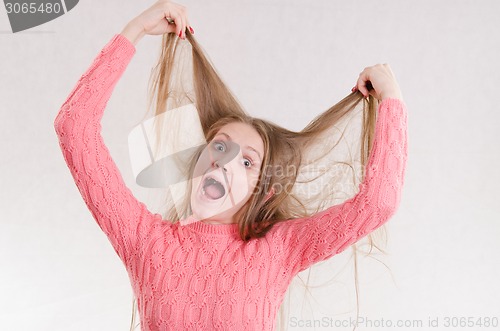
x: 223, y: 208
x: 204, y: 208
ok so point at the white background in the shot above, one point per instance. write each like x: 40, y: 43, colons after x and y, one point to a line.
x: 286, y: 61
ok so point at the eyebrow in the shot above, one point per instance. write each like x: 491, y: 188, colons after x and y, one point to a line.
x: 249, y: 147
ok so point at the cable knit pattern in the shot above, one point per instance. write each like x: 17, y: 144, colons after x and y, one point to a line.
x: 203, y: 276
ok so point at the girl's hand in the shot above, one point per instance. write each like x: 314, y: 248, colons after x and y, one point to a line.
x: 155, y: 21
x: 378, y: 81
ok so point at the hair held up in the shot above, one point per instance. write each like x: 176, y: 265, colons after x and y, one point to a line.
x: 294, y: 162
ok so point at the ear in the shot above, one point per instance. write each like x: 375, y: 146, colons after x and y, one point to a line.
x: 269, y: 194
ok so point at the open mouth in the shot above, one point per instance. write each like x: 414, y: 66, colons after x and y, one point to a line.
x: 213, y: 189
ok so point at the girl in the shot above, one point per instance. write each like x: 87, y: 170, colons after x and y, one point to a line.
x: 225, y: 260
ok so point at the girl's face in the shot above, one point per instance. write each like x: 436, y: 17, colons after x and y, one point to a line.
x: 226, y: 173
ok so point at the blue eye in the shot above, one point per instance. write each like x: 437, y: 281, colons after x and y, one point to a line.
x: 220, y: 146
x: 250, y: 163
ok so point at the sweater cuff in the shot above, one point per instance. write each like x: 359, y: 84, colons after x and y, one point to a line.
x: 391, y: 102
x: 121, y: 44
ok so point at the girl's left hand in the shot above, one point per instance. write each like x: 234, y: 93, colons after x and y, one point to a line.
x: 382, y: 80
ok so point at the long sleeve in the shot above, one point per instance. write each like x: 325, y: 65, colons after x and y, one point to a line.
x: 125, y: 220
x: 312, y: 239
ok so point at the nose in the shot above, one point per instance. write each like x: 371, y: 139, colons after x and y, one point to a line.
x: 216, y: 164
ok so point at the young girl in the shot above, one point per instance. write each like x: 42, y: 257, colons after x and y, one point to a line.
x: 226, y: 260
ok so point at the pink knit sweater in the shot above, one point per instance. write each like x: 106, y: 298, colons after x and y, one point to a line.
x: 203, y: 276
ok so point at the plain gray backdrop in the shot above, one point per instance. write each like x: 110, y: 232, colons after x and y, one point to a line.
x: 286, y: 61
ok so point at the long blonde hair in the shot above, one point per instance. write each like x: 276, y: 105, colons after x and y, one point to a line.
x: 184, y: 75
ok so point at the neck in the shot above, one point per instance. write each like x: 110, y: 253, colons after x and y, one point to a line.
x: 211, y: 221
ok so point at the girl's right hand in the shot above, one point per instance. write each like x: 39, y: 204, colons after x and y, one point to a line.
x: 153, y: 21
x: 382, y: 80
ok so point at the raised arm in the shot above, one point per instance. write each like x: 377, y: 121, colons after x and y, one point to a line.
x: 125, y: 220
x: 316, y: 238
